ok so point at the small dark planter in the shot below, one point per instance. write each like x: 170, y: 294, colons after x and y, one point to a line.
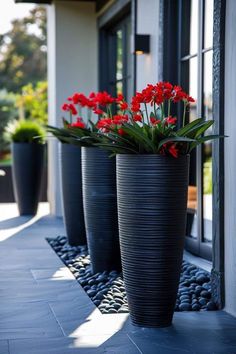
x: 152, y: 202
x: 72, y: 201
x: 27, y: 169
x: 100, y: 209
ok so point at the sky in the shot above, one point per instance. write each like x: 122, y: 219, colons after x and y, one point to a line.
x: 10, y: 11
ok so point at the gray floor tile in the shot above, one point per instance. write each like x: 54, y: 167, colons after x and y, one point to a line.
x: 62, y: 273
x: 21, y: 259
x: 185, y: 336
x: 29, y: 320
x: 16, y: 275
x: 4, y: 347
x: 117, y: 344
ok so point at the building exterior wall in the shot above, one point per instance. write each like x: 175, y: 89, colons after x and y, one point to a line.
x: 230, y: 165
x: 72, y: 66
x: 148, y: 23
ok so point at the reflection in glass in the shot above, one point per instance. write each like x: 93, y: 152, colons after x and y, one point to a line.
x: 194, y: 26
x: 192, y: 231
x: 193, y: 79
x: 129, y: 88
x: 119, y: 56
x: 208, y: 23
x: 207, y: 150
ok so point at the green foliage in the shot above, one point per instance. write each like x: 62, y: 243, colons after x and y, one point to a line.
x: 33, y: 102
x: 23, y: 51
x: 8, y: 113
x: 25, y: 131
x: 150, y: 139
x: 71, y: 135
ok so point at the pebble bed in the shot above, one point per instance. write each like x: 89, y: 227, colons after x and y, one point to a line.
x: 107, y: 289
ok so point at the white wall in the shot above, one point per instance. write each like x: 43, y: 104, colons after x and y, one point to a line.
x: 148, y: 23
x: 72, y: 66
x: 230, y: 159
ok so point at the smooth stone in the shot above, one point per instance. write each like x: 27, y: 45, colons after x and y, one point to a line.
x: 96, y: 302
x: 206, y: 294
x: 211, y: 306
x: 91, y: 293
x: 202, y: 301
x: 112, y: 310
x: 196, y: 307
x: 185, y: 307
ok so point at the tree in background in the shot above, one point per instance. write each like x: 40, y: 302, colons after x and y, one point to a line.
x: 8, y: 112
x: 23, y: 51
x: 32, y: 103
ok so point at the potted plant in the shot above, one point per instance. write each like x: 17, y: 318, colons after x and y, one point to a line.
x: 152, y: 185
x: 28, y: 149
x: 71, y: 178
x: 98, y: 177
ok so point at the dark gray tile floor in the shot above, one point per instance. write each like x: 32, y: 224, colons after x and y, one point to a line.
x: 45, y: 311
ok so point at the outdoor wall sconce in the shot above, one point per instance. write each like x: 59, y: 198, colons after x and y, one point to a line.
x: 142, y: 44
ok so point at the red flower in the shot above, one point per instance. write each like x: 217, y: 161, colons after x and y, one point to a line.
x: 103, y: 98
x: 137, y: 118
x: 65, y: 107
x: 170, y: 149
x: 120, y: 119
x: 69, y: 107
x: 98, y: 111
x: 120, y: 97
x: 155, y: 121
x: 104, y: 123
x: 190, y: 99
x: 120, y: 131
x: 78, y: 124
x: 173, y: 151
x: 170, y: 120
x: 124, y: 106
x: 135, y: 105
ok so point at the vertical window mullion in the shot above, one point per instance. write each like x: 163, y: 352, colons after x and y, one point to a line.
x: 199, y: 114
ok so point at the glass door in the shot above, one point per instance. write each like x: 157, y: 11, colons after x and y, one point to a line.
x: 118, y: 61
x: 195, y: 75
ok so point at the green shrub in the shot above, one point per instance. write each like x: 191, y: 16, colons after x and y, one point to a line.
x: 25, y: 131
x: 8, y: 113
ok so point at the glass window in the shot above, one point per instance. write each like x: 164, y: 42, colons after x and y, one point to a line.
x: 196, y: 78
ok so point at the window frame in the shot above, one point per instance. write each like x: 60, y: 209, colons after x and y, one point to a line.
x: 170, y: 52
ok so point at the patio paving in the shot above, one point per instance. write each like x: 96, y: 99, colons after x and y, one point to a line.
x: 44, y: 310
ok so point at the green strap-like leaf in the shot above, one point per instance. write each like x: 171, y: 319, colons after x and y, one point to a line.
x: 175, y: 139
x: 189, y: 126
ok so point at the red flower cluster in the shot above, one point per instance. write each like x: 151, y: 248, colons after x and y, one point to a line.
x: 82, y: 100
x: 158, y: 94
x: 108, y: 124
x: 121, y: 101
x: 102, y: 99
x: 69, y: 107
x: 170, y: 120
x: 78, y: 124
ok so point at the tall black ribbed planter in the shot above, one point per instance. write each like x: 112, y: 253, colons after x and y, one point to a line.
x: 72, y: 201
x: 152, y: 202
x: 27, y: 169
x: 100, y: 209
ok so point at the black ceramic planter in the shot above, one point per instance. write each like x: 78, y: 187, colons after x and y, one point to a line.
x: 72, y: 201
x: 100, y: 209
x: 152, y: 202
x: 28, y: 159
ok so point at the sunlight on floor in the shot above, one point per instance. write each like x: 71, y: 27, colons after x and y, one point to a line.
x: 11, y: 223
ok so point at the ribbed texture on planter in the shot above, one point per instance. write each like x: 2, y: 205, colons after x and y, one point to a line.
x: 72, y: 201
x: 152, y: 201
x: 100, y: 209
x: 28, y: 159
